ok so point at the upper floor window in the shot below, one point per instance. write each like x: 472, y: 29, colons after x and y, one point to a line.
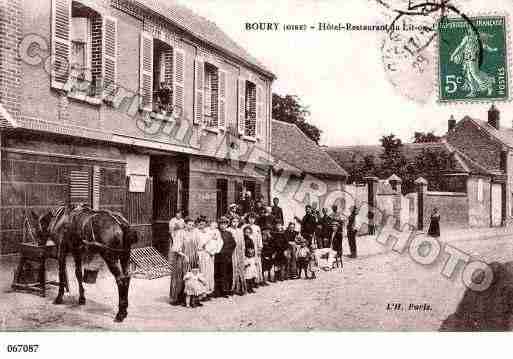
x: 211, y: 95
x: 250, y: 109
x: 162, y: 77
x: 84, y: 49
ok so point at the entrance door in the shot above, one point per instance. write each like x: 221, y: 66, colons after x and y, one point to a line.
x: 496, y: 204
x: 222, y: 197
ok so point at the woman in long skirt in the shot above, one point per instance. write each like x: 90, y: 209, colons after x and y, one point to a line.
x: 434, y: 225
x: 257, y: 242
x: 176, y: 258
x: 190, y: 246
x: 238, y: 257
x: 207, y: 248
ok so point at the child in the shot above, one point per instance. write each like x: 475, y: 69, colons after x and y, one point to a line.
x: 250, y: 270
x: 303, y: 255
x: 268, y: 256
x: 195, y: 287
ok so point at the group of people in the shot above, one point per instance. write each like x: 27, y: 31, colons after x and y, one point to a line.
x: 249, y: 247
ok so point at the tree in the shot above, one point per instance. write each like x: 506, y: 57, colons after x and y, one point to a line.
x: 289, y: 109
x: 423, y: 137
x: 361, y: 168
x: 392, y: 158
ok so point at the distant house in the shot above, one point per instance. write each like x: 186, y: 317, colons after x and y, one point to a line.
x: 304, y: 169
x: 472, y: 191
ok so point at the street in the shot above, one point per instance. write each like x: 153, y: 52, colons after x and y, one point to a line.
x: 380, y: 290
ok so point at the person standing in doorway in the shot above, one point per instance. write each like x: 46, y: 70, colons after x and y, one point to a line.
x: 175, y: 224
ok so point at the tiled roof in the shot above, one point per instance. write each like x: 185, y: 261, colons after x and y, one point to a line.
x: 503, y: 135
x: 201, y: 28
x: 347, y: 156
x: 291, y: 145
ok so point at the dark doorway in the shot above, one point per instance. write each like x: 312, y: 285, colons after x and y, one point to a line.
x: 222, y: 197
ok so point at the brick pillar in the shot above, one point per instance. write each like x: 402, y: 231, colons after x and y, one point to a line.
x: 372, y: 188
x: 10, y: 63
x: 396, y: 182
x: 421, y: 185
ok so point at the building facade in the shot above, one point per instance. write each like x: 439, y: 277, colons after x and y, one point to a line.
x: 126, y: 105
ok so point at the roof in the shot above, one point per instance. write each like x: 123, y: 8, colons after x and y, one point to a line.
x: 201, y: 28
x: 503, y: 134
x: 291, y: 145
x: 349, y: 155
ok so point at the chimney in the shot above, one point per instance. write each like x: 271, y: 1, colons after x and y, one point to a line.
x: 451, y: 124
x: 494, y: 117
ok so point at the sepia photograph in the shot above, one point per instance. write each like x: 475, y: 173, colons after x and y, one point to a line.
x: 231, y: 165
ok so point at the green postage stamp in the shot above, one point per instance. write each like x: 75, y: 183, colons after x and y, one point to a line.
x: 473, y: 59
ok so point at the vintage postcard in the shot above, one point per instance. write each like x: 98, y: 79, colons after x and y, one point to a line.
x: 227, y: 165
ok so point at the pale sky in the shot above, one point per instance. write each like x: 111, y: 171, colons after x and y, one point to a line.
x: 340, y: 75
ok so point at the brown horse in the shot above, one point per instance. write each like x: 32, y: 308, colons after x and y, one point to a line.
x: 84, y: 232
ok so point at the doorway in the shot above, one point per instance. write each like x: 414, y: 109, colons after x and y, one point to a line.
x: 222, y: 196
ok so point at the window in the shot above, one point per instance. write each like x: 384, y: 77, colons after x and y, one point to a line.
x: 162, y: 77
x: 250, y: 109
x: 211, y: 95
x: 479, y: 189
x: 81, y: 50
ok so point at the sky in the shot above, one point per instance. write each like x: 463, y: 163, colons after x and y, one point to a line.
x: 341, y: 76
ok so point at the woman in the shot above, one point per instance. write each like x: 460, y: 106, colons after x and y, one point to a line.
x: 176, y: 257
x: 207, y: 248
x: 257, y: 243
x: 434, y: 225
x: 175, y: 224
x: 239, y: 280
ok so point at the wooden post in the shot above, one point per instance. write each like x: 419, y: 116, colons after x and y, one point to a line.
x: 421, y: 185
x: 372, y: 188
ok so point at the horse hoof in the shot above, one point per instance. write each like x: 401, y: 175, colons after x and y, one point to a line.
x: 120, y: 317
x: 81, y: 301
x: 57, y: 301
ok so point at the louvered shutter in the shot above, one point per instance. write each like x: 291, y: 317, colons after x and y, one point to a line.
x: 61, y: 43
x: 96, y: 187
x: 146, y: 72
x: 199, y: 84
x: 260, y: 118
x: 167, y: 66
x: 79, y: 187
x: 241, y: 108
x: 258, y: 190
x: 179, y: 80
x: 221, y: 110
x: 109, y: 58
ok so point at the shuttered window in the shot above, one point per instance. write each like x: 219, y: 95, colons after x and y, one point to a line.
x: 241, y: 105
x: 200, y: 84
x: 79, y: 187
x: 221, y: 110
x: 179, y: 81
x: 260, y: 112
x: 61, y: 42
x: 96, y: 187
x: 250, y: 110
x: 110, y: 51
x: 146, y: 71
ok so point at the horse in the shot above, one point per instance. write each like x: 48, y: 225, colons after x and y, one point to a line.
x: 84, y: 232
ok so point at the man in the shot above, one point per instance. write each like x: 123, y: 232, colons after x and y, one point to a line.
x: 325, y: 232
x: 246, y: 205
x: 308, y: 224
x: 223, y: 269
x: 352, y: 229
x: 267, y: 222
x: 277, y: 212
x: 259, y: 208
x: 291, y: 236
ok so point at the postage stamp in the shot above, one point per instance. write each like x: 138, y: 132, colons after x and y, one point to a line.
x: 473, y: 59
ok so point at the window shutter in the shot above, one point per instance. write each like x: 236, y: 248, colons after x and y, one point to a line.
x: 221, y: 111
x: 96, y: 187
x: 146, y: 72
x: 260, y: 112
x: 199, y: 84
x: 61, y: 42
x: 241, y: 116
x: 109, y: 58
x: 79, y: 187
x: 167, y: 65
x: 258, y: 190
x: 179, y: 80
